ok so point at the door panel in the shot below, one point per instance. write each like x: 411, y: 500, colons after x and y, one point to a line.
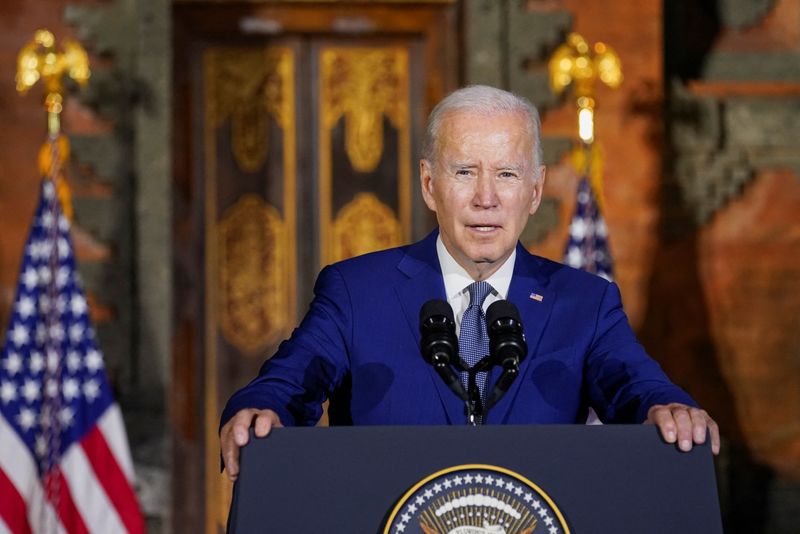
x: 364, y: 148
x: 294, y: 148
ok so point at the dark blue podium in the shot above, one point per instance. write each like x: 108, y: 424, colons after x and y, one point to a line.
x: 599, y: 479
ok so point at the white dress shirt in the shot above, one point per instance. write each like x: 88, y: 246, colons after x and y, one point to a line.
x: 456, y: 281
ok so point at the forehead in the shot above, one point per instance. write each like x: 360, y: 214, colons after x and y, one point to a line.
x: 499, y: 133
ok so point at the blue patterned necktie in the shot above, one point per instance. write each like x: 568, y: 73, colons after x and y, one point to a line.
x: 473, y: 340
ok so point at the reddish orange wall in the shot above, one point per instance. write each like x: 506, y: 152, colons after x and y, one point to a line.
x: 22, y: 134
x: 719, y: 307
x: 628, y: 128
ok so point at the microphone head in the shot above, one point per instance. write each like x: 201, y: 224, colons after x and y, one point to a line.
x: 436, y: 307
x: 506, y: 336
x: 437, y: 328
x: 501, y: 309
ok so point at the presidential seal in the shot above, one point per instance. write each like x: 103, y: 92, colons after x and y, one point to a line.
x: 475, y: 499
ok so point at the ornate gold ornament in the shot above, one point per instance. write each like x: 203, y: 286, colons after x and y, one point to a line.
x: 247, y: 86
x: 364, y: 85
x: 576, y: 63
x: 38, y: 60
x: 253, y: 274
x: 364, y: 225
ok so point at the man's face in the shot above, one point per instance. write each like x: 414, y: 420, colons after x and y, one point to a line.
x: 482, y: 187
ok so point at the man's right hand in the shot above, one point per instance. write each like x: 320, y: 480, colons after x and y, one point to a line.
x: 235, y: 434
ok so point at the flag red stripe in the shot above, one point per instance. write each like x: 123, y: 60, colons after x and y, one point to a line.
x: 65, y: 507
x: 12, y: 507
x: 113, y: 480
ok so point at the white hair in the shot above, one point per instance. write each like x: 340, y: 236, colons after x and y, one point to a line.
x: 484, y: 100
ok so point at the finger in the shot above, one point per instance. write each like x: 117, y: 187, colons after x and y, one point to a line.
x: 714, y: 430
x: 683, y: 424
x: 231, y: 458
x: 234, y: 435
x: 264, y: 423
x: 699, y: 425
x: 661, y: 416
x: 230, y: 451
x: 241, y: 425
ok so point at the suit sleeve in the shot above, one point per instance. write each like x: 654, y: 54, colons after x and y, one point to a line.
x: 623, y: 381
x: 310, y: 364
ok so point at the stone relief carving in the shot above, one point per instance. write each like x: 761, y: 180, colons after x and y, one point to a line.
x: 721, y: 143
x: 740, y: 14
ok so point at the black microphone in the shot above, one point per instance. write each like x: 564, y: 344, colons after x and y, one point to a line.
x: 506, y: 338
x: 507, y: 346
x: 439, y: 343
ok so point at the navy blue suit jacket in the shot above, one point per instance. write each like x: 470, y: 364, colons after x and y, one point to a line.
x: 359, y: 345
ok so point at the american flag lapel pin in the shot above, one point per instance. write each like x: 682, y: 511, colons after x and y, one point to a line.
x: 536, y: 296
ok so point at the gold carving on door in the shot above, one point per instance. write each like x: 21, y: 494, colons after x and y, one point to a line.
x: 364, y: 85
x: 364, y: 225
x: 250, y: 250
x: 247, y: 85
x: 253, y: 277
x: 360, y: 88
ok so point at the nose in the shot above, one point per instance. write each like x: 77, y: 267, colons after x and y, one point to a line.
x: 485, y: 192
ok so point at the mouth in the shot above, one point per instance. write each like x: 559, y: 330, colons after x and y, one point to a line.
x: 483, y: 228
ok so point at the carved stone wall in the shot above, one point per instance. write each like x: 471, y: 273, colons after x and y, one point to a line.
x: 119, y: 150
x: 730, y: 234
x: 701, y: 179
x: 124, y: 172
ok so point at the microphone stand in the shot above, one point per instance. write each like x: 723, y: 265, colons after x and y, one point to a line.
x: 474, y: 409
x: 501, y: 387
x: 476, y: 414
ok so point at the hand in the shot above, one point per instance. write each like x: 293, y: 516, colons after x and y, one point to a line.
x: 235, y: 434
x: 684, y: 424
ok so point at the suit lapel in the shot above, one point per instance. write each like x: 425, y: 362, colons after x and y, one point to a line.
x: 529, y: 292
x: 424, y: 282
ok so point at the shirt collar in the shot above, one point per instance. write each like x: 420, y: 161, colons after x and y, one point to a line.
x: 456, y: 278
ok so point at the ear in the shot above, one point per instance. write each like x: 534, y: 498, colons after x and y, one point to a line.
x: 538, y: 187
x: 426, y: 183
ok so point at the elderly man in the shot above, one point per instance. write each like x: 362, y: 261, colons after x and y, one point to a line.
x: 359, y: 343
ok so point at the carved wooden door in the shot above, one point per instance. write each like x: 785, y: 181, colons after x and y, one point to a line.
x: 295, y: 148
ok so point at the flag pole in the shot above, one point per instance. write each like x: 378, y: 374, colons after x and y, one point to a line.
x: 65, y: 464
x: 41, y: 59
x: 580, y: 66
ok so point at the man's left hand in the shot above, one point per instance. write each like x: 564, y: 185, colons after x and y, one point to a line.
x: 683, y: 424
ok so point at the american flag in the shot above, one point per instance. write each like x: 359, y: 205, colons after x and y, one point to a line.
x: 65, y: 465
x: 587, y: 248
